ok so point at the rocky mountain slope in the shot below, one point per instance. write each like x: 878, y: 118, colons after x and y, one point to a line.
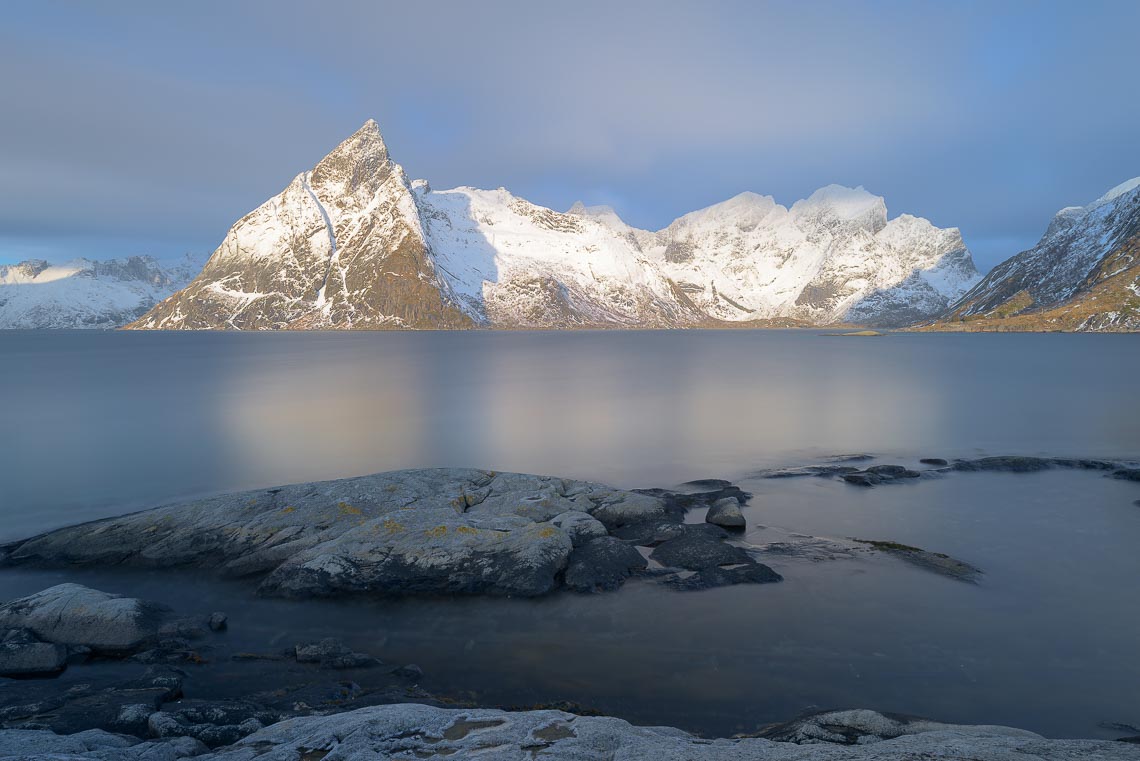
x: 1083, y: 275
x: 354, y: 244
x: 88, y: 294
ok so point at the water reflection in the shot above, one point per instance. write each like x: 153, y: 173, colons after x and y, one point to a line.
x: 97, y: 423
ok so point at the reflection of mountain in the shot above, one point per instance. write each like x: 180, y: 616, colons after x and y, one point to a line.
x: 1084, y: 274
x: 353, y: 244
x: 87, y: 294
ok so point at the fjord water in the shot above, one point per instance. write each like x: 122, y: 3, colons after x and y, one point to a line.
x: 100, y: 423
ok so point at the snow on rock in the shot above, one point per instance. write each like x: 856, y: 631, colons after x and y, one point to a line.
x: 1082, y: 247
x: 354, y: 244
x: 87, y: 294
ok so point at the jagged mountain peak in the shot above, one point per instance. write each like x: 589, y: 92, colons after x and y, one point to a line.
x: 353, y: 243
x: 360, y: 159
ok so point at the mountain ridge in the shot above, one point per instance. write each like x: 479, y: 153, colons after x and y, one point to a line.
x: 353, y: 243
x: 1082, y: 275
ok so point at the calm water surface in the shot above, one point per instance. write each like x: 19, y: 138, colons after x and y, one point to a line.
x: 97, y: 424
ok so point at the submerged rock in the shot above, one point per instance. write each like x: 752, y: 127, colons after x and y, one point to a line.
x: 936, y: 461
x: 331, y: 653
x: 937, y: 562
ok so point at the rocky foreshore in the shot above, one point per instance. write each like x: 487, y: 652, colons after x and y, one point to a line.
x: 424, y: 532
x: 133, y: 695
x: 412, y: 731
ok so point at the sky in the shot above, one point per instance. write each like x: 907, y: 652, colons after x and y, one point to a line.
x: 141, y: 127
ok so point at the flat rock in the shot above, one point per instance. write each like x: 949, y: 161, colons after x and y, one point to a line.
x: 417, y: 731
x: 436, y: 531
x: 602, y: 564
x: 716, y: 576
x: 72, y: 614
x: 699, y: 546
x: 936, y: 562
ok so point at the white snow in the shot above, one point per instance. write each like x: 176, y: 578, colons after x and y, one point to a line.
x: 87, y: 294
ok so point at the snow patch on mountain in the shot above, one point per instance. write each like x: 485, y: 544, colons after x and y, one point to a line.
x: 84, y: 293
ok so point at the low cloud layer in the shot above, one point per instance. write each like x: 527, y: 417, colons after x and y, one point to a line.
x: 134, y: 127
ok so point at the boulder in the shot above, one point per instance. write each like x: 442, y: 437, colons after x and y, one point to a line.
x: 579, y: 526
x: 1127, y: 474
x: 602, y: 564
x: 23, y: 654
x: 935, y: 461
x: 726, y: 512
x: 71, y: 614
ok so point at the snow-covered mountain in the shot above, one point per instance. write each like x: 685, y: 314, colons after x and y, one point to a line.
x: 88, y: 294
x: 1084, y: 274
x: 354, y: 244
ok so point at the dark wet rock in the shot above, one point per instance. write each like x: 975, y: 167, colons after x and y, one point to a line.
x: 602, y: 565
x: 699, y: 546
x: 936, y: 461
x: 99, y: 702
x: 218, y: 622
x: 331, y: 653
x: 726, y: 513
x: 858, y: 457
x: 707, y: 483
x: 880, y: 474
x: 863, y: 479
x: 213, y: 723
x: 893, y: 471
x: 71, y: 614
x: 409, y: 671
x: 809, y: 470
x: 937, y: 562
x: 1127, y: 474
x: 22, y: 654
x: 716, y: 576
x: 1007, y: 464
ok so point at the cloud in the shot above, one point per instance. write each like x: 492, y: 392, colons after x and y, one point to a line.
x: 170, y: 121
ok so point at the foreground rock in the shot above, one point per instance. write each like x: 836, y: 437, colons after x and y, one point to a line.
x: 72, y: 614
x: 416, y: 731
x: 442, y: 531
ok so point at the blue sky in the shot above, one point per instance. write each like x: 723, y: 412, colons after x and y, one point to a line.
x: 140, y: 127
